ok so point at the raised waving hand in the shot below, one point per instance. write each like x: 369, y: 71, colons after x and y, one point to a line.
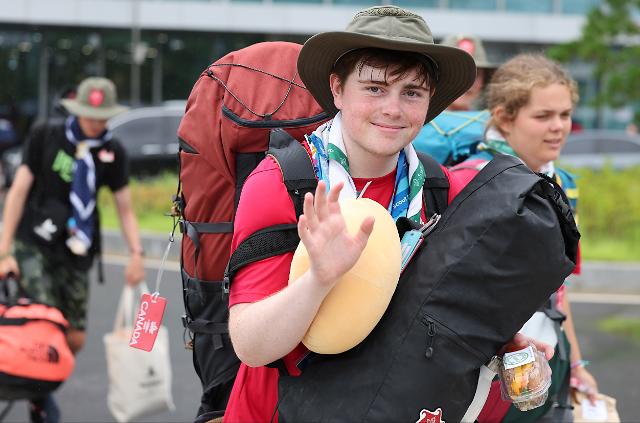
x: 322, y: 229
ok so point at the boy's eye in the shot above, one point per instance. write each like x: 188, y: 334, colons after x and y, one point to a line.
x: 413, y: 93
x: 374, y: 89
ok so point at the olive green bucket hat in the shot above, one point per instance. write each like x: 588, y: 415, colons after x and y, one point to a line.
x: 391, y: 28
x: 96, y: 99
x: 471, y: 45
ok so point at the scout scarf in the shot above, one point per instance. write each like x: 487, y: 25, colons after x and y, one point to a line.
x: 494, y: 142
x: 83, y: 187
x: 331, y: 165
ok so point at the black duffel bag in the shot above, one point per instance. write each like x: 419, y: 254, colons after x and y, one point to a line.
x: 500, y: 249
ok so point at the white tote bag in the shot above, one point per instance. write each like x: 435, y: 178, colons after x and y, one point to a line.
x: 139, y: 381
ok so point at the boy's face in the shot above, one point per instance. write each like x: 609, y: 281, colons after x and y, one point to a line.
x: 380, y: 117
x: 92, y: 127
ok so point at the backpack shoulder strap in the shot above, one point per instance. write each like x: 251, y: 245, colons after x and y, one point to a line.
x: 299, y: 178
x: 567, y: 181
x: 436, y: 186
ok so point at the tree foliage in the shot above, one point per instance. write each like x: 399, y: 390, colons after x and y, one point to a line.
x: 610, y: 40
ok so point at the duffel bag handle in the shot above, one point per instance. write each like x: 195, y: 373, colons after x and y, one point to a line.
x: 11, y: 289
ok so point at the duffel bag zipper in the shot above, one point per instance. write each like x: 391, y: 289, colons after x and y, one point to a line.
x: 432, y: 331
x: 431, y: 334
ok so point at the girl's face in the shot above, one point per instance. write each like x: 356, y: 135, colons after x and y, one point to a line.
x: 540, y: 128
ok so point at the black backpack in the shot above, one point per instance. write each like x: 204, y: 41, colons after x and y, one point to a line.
x: 500, y: 249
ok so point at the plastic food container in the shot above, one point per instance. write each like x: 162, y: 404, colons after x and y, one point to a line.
x: 525, y: 377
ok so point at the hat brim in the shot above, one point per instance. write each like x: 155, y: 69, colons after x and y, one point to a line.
x: 78, y: 109
x: 456, y: 68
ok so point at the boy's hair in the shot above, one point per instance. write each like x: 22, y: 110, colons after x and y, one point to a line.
x: 395, y: 63
x: 512, y: 83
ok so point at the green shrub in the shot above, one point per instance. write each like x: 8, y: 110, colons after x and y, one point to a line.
x: 151, y: 198
x: 609, y: 213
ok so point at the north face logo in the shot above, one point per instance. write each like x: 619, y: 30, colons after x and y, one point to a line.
x: 53, y: 355
x: 427, y: 416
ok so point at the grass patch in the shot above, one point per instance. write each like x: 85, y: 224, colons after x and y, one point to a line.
x: 610, y: 249
x: 151, y: 199
x: 609, y: 213
x: 626, y: 327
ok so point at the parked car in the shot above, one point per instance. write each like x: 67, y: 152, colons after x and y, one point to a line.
x: 595, y: 148
x: 149, y: 135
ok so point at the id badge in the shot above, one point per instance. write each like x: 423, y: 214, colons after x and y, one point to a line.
x: 148, y: 321
x: 409, y: 244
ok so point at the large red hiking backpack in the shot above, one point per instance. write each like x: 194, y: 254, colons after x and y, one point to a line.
x: 231, y: 111
x: 34, y: 356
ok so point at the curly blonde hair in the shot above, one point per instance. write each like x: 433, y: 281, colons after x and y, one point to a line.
x: 512, y: 83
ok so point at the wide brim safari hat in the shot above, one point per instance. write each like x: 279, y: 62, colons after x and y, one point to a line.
x: 391, y: 28
x: 96, y: 99
x: 472, y: 45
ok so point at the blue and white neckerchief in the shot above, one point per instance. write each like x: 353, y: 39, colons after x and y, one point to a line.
x: 332, y: 166
x: 83, y: 187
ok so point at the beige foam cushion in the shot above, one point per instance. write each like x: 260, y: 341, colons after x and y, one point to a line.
x: 359, y: 299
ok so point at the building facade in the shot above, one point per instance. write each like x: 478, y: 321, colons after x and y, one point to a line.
x: 47, y: 47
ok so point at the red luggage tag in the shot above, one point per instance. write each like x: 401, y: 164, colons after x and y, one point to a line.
x: 148, y: 321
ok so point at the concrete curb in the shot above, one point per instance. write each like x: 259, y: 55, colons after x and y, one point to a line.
x: 607, y: 277
x: 154, y: 244
x: 596, y: 277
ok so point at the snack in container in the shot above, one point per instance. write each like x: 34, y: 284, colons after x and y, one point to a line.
x: 525, y: 377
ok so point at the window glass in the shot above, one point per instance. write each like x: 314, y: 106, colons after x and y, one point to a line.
x: 473, y: 4
x: 417, y: 3
x: 578, y: 6
x: 538, y: 6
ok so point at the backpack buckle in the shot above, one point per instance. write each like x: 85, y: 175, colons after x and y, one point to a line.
x: 226, y: 283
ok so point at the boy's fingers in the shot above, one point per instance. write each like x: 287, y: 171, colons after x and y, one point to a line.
x: 366, y: 227
x: 334, y: 194
x: 303, y: 231
x: 308, y: 211
x: 320, y: 201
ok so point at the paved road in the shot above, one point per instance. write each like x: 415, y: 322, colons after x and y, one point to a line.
x: 614, y: 358
x: 83, y: 398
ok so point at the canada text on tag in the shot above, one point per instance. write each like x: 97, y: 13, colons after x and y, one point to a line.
x: 518, y: 358
x: 148, y: 321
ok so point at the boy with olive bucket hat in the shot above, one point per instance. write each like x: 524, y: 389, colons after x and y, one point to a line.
x: 50, y: 229
x: 382, y: 78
